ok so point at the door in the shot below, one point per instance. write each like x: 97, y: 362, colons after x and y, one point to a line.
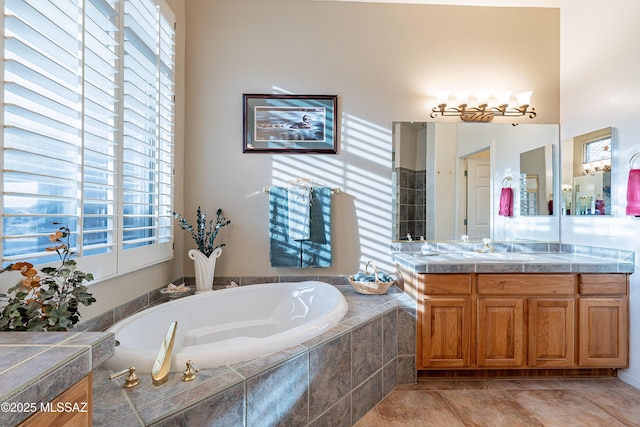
x: 501, y: 332
x: 551, y: 332
x: 479, y: 196
x: 445, y: 333
x: 603, y: 332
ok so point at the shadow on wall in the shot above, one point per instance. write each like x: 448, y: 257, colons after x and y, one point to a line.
x: 361, y: 213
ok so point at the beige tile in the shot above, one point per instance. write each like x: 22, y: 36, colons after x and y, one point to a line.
x: 371, y: 419
x: 595, y: 383
x: 530, y: 384
x: 419, y: 408
x: 563, y: 408
x: 488, y: 408
x: 622, y: 403
x: 466, y: 385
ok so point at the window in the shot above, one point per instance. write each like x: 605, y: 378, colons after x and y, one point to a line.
x: 88, y: 130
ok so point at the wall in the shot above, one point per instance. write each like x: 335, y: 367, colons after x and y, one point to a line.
x: 385, y: 62
x: 599, y: 88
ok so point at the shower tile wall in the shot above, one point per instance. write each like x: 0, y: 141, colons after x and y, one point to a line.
x: 410, y: 206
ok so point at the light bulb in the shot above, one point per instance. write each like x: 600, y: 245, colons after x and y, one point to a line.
x: 504, y: 97
x: 524, y: 98
x: 483, y: 97
x: 442, y: 97
x: 462, y: 98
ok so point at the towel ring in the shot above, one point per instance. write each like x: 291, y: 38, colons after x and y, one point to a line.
x: 510, y: 182
x: 632, y: 159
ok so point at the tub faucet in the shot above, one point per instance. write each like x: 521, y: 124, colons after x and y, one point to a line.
x: 162, y: 365
x: 486, y: 246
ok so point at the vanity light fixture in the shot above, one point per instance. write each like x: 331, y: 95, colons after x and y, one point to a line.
x: 484, y: 113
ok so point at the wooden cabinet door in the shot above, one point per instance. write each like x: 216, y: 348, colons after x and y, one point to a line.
x: 444, y: 335
x: 501, y: 332
x: 551, y: 332
x: 603, y: 331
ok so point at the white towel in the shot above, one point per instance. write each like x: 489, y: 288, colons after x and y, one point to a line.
x: 298, y: 206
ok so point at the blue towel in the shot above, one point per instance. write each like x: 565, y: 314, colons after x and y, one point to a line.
x: 316, y: 252
x: 298, y: 207
x: 313, y: 252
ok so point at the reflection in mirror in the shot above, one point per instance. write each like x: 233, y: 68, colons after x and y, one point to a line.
x: 433, y: 197
x: 536, y: 181
x: 586, y: 174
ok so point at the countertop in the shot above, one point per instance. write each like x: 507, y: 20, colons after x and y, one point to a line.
x: 35, y: 367
x: 451, y: 257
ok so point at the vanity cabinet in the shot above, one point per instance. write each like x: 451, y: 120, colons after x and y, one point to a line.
x: 522, y: 321
x: 604, y: 320
x: 444, y: 328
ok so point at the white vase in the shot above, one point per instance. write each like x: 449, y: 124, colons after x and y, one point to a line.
x: 205, y: 268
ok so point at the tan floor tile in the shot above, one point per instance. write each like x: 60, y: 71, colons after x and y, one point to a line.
x: 622, y: 403
x: 465, y: 384
x: 596, y: 383
x: 417, y: 408
x: 563, y: 408
x: 530, y: 384
x: 488, y: 408
x: 371, y: 419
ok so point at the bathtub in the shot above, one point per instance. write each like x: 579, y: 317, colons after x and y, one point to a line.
x: 228, y: 326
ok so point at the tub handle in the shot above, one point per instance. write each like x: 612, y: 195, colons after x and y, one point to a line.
x: 189, y: 374
x: 131, y: 381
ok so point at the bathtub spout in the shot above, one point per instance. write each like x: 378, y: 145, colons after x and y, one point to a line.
x: 162, y: 365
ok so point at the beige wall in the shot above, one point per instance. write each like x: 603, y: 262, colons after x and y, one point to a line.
x: 385, y: 62
x: 600, y: 89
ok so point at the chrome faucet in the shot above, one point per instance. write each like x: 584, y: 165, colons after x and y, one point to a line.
x: 486, y: 246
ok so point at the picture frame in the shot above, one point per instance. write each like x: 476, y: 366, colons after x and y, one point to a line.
x: 278, y: 123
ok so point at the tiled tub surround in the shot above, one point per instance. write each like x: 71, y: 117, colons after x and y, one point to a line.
x: 333, y: 379
x: 545, y: 258
x: 38, y: 366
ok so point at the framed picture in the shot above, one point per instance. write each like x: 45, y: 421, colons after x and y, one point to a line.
x: 290, y: 124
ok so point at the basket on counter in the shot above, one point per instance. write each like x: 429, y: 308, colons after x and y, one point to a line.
x: 377, y: 287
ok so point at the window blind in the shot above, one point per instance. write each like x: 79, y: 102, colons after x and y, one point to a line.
x: 88, y: 129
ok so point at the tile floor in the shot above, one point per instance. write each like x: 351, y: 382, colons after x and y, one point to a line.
x: 594, y: 402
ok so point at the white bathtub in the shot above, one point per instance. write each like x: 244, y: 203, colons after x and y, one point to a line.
x: 229, y: 325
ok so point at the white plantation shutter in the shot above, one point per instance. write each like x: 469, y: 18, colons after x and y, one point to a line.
x: 101, y: 49
x: 42, y: 123
x: 88, y: 130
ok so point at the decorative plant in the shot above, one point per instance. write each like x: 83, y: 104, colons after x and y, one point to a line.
x: 204, y: 233
x: 50, y: 302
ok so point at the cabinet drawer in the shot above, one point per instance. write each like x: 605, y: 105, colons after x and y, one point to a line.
x: 525, y: 284
x: 603, y: 284
x: 447, y: 284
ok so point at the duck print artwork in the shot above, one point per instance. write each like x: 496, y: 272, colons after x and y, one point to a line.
x: 290, y: 124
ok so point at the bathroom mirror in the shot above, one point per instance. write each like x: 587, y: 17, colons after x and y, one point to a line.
x: 586, y: 174
x: 434, y: 198
x: 537, y: 181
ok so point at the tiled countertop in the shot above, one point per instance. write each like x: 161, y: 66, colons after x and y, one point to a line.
x: 35, y: 367
x: 512, y: 258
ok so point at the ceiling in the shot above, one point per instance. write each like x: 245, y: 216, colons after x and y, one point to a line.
x: 498, y: 3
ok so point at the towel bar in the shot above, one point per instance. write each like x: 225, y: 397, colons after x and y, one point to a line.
x: 333, y: 190
x: 632, y: 159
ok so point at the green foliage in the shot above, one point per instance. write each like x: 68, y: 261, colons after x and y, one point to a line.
x: 204, y: 233
x: 48, y: 303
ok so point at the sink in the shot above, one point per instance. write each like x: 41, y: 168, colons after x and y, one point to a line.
x: 498, y: 256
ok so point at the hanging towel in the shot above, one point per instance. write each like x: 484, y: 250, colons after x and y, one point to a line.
x: 633, y: 193
x: 316, y: 251
x: 298, y: 207
x: 313, y: 252
x: 283, y: 252
x: 506, y: 202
